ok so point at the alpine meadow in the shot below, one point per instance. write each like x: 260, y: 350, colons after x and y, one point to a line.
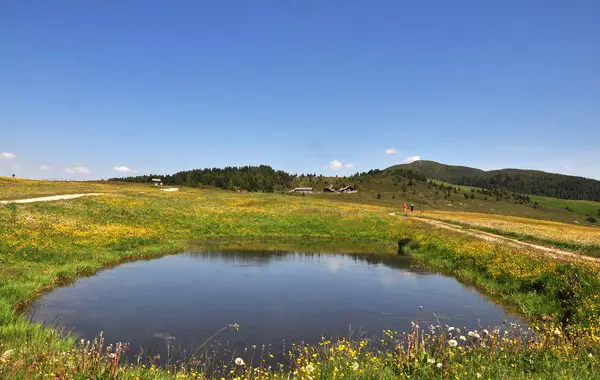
x: 299, y: 190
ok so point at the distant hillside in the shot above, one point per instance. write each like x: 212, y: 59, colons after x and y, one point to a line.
x: 250, y: 178
x: 517, y: 180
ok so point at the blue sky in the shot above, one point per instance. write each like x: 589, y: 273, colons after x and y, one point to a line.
x: 87, y: 87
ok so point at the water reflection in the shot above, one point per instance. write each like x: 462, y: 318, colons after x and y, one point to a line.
x: 275, y: 297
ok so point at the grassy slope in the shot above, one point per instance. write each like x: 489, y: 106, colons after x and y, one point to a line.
x: 45, y: 244
x: 581, y: 239
x: 424, y: 198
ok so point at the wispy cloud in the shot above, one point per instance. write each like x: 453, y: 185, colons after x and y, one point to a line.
x: 122, y: 169
x: 337, y: 165
x: 391, y: 151
x: 8, y: 155
x: 77, y: 170
x: 46, y: 167
x: 410, y: 159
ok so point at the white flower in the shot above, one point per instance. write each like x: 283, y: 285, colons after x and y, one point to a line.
x: 478, y: 375
x: 431, y: 361
x: 355, y: 366
x: 462, y: 337
x: 439, y: 365
x: 239, y: 361
x: 7, y: 354
x: 486, y: 332
x: 471, y: 333
x: 556, y: 332
x: 476, y: 335
x: 452, y: 343
x: 309, y: 368
x: 450, y: 328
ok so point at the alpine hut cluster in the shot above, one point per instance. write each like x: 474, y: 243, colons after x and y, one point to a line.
x: 343, y: 189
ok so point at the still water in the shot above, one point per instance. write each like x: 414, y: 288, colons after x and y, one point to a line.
x: 276, y: 298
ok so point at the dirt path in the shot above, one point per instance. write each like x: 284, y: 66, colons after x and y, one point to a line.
x: 51, y: 198
x: 550, y: 251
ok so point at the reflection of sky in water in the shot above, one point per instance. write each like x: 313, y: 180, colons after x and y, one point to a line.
x: 273, y: 297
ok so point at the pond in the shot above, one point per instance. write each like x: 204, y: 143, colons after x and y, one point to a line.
x: 276, y: 298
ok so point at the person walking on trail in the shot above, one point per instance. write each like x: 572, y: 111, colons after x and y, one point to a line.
x: 405, y: 207
x: 412, y: 207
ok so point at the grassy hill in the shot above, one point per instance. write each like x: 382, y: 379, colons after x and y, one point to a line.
x: 393, y: 187
x: 532, y: 182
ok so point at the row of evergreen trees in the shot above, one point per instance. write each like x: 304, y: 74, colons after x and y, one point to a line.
x: 497, y: 193
x: 537, y: 183
x: 266, y: 179
x: 250, y: 178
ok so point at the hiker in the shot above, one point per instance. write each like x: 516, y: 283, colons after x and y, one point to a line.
x: 412, y: 207
x: 405, y: 207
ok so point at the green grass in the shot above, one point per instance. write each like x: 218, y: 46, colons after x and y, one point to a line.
x: 43, y: 245
x: 592, y: 250
x: 425, y: 198
x: 580, y: 208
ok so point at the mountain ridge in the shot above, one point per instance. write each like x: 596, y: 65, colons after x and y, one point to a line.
x: 528, y: 181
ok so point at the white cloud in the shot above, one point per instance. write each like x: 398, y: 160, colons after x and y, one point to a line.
x: 121, y: 169
x: 8, y: 155
x: 410, y: 159
x: 391, y: 151
x: 77, y: 170
x: 337, y: 165
x: 334, y: 264
x: 46, y: 167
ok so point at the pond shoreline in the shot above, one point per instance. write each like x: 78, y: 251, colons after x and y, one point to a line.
x: 48, y: 244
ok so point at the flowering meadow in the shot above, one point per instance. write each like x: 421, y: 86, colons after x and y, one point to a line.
x: 44, y: 245
x: 583, y: 239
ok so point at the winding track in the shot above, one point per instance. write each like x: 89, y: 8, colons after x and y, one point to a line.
x: 51, y: 198
x: 550, y: 251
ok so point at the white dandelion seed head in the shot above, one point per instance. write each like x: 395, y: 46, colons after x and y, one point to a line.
x: 355, y: 366
x: 7, y: 354
x: 239, y: 361
x: 452, y: 343
x: 439, y: 365
x: 431, y: 361
x: 309, y: 368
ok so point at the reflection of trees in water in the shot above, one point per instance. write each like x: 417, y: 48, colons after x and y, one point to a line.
x: 263, y: 257
x: 241, y: 256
